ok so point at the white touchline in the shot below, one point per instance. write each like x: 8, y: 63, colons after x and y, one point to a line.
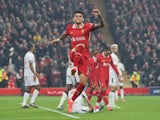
x: 52, y: 110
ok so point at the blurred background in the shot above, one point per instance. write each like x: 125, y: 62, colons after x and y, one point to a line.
x: 132, y: 24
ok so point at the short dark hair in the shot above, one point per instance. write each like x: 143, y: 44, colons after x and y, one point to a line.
x: 78, y: 11
x: 30, y: 46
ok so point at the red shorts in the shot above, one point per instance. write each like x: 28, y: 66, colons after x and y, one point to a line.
x: 82, y: 65
x: 93, y: 84
x: 104, y: 82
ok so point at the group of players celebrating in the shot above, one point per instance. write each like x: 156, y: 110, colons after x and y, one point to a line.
x: 101, y: 69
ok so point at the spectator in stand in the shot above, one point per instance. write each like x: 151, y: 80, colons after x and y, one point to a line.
x: 19, y: 78
x: 135, y: 79
x: 4, y: 78
x: 17, y: 28
x: 42, y: 80
x: 135, y: 27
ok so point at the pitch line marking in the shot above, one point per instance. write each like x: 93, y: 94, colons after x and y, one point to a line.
x: 55, y: 111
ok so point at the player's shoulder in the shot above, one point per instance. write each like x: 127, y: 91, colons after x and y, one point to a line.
x: 69, y: 25
x: 88, y: 24
x: 98, y: 55
x: 29, y: 54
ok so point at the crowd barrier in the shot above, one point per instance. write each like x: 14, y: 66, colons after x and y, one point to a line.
x: 58, y: 91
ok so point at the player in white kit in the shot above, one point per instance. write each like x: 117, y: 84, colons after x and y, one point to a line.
x: 30, y: 78
x: 79, y: 104
x: 121, y: 69
x: 72, y: 79
x: 113, y: 79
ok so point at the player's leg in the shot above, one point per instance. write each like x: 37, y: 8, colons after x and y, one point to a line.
x: 80, y: 87
x: 113, y: 87
x: 99, y: 97
x: 116, y: 95
x: 64, y: 96
x: 25, y: 97
x: 34, y: 96
x: 90, y: 90
x: 122, y: 93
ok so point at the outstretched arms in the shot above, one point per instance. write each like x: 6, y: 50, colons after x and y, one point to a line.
x: 101, y: 23
x: 63, y: 36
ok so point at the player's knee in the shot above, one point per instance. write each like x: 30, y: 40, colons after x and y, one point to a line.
x: 103, y: 93
x: 121, y: 87
x: 28, y: 91
x: 37, y: 88
x: 79, y: 48
x: 66, y: 92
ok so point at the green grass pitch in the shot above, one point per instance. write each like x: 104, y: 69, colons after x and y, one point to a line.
x: 135, y: 108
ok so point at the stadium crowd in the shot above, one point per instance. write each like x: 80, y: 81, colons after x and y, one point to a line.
x: 135, y: 26
x: 38, y: 21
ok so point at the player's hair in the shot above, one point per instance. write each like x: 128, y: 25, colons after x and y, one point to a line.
x: 113, y: 45
x: 78, y: 11
x: 107, y: 49
x: 30, y: 46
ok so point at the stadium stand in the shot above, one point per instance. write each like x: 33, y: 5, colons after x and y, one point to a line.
x: 39, y: 21
x: 134, y: 26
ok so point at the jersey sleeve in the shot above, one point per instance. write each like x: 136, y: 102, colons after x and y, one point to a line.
x: 68, y: 29
x: 30, y: 58
x: 89, y: 27
x: 114, y: 66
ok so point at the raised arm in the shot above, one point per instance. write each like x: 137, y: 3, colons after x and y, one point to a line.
x: 62, y: 36
x: 101, y: 23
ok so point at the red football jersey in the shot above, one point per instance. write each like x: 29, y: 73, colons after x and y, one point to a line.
x: 92, y: 68
x: 80, y: 36
x: 104, y: 64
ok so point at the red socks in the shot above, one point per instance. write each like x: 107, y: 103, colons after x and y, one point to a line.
x: 105, y: 98
x: 79, y: 90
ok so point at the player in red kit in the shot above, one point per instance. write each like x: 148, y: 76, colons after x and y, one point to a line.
x: 79, y: 33
x: 94, y: 77
x: 105, y: 62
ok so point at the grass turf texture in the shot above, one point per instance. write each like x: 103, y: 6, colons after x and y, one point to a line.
x: 135, y: 108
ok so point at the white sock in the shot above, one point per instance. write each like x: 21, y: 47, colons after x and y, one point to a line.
x: 34, y: 95
x: 116, y: 93
x: 97, y: 103
x: 25, y: 98
x: 111, y: 98
x: 63, y: 98
x: 122, y: 93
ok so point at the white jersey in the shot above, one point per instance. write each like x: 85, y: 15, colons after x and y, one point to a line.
x: 113, y: 79
x: 78, y: 105
x: 28, y: 74
x: 120, y: 69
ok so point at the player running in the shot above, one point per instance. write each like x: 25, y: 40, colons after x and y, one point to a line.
x: 105, y: 61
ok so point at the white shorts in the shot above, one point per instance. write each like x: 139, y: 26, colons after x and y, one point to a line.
x: 79, y: 109
x: 120, y: 83
x: 113, y: 80
x: 71, y: 79
x: 30, y: 82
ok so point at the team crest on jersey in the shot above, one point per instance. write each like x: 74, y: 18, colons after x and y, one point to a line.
x: 82, y: 31
x: 71, y: 33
